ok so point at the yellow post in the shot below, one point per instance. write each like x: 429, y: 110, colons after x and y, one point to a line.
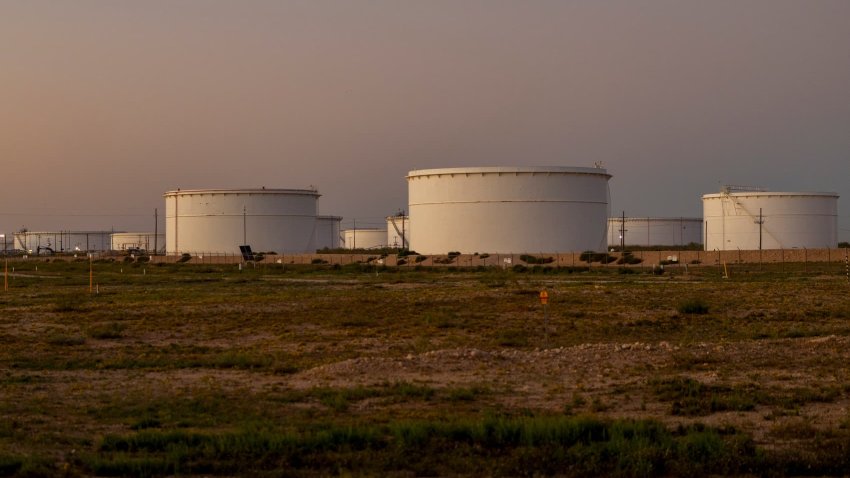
x: 725, y: 271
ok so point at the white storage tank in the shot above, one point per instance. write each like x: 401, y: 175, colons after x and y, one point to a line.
x: 328, y: 232
x: 145, y: 241
x: 365, y: 238
x: 508, y: 209
x: 398, y: 231
x: 752, y: 220
x: 655, y: 231
x: 220, y: 220
x: 47, y: 242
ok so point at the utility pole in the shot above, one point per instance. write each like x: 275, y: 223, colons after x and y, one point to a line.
x: 244, y: 226
x: 760, y: 222
x: 623, y: 233
x: 155, y: 230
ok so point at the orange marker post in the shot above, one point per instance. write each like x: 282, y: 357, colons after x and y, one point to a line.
x: 544, y: 300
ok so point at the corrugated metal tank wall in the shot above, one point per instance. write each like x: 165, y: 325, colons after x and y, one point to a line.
x: 146, y: 241
x: 505, y: 210
x: 655, y: 231
x: 786, y: 219
x: 328, y: 232
x: 220, y: 220
x: 365, y: 238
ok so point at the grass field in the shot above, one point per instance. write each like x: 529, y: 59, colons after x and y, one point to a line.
x: 353, y: 370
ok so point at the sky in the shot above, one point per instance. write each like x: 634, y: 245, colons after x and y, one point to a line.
x: 105, y: 105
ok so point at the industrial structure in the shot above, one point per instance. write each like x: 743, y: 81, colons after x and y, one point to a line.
x: 50, y: 242
x: 751, y: 219
x: 142, y: 241
x: 328, y: 232
x: 508, y: 209
x: 654, y: 231
x: 220, y: 220
x: 365, y: 238
x: 398, y: 231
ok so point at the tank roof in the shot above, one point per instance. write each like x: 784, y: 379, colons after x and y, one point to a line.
x: 508, y: 170
x: 769, y: 193
x: 659, y: 219
x: 300, y: 192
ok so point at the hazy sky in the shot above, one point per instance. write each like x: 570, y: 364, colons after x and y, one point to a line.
x: 104, y: 105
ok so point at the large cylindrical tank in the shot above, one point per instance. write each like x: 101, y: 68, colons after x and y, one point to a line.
x: 220, y: 220
x: 751, y: 220
x: 146, y: 241
x: 35, y: 242
x: 655, y: 231
x: 398, y: 232
x: 508, y: 209
x: 365, y: 238
x: 328, y: 232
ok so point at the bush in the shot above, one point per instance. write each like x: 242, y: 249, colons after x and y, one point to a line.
x: 590, y: 257
x: 318, y: 261
x: 112, y: 330
x: 528, y: 259
x: 629, y: 258
x: 693, y: 306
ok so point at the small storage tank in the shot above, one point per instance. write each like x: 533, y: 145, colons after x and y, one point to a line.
x: 398, y: 231
x: 752, y: 220
x: 145, y: 241
x: 48, y: 242
x: 508, y: 209
x: 328, y: 232
x: 220, y: 220
x: 654, y: 231
x: 365, y: 238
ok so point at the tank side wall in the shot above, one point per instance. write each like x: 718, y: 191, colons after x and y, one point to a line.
x: 512, y: 212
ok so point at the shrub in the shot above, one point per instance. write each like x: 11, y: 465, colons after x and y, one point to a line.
x: 693, y: 306
x: 629, y: 258
x: 318, y: 261
x: 528, y: 259
x: 112, y: 330
x: 590, y: 257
